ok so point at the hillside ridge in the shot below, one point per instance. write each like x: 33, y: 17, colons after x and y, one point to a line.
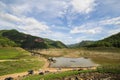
x: 28, y: 41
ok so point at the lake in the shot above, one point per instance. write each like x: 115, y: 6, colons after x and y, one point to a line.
x: 63, y: 62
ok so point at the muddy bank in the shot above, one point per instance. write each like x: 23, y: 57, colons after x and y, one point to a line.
x: 93, y: 76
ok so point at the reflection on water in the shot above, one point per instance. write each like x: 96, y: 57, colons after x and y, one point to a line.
x: 72, y: 62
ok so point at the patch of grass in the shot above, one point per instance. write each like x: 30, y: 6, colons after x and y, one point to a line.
x: 113, y: 69
x: 103, y: 60
x: 15, y: 60
x: 9, y: 67
x: 79, y: 52
x: 53, y: 76
x: 104, y: 49
x: 12, y: 53
x: 110, y: 68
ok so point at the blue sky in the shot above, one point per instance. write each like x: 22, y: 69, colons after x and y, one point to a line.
x: 69, y: 21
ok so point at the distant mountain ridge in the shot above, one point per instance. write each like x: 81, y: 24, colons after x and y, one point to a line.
x: 111, y: 41
x: 15, y: 38
x: 81, y: 44
x: 30, y: 42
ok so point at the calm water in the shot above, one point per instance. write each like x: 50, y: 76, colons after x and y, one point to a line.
x: 72, y: 62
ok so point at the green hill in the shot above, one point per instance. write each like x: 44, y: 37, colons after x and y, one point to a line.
x: 81, y: 44
x: 54, y: 44
x: 28, y: 41
x: 5, y: 42
x: 112, y: 41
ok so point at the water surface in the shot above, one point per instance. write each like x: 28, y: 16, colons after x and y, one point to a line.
x: 72, y: 62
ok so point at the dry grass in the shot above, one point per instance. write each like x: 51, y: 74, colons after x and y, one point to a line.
x: 97, y: 56
x: 78, y: 53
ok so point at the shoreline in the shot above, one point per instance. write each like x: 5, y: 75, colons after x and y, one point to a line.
x: 44, y: 68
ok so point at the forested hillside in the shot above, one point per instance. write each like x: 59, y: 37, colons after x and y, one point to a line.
x: 81, y: 44
x: 27, y: 41
x: 112, y: 41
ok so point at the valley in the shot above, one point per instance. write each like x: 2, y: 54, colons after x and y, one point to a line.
x: 18, y: 65
x: 59, y: 39
x: 25, y: 52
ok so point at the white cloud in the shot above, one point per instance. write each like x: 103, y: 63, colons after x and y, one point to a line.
x: 96, y: 26
x: 36, y: 17
x: 2, y: 6
x: 20, y: 9
x: 110, y: 6
x: 59, y: 36
x: 51, y: 9
x: 87, y: 29
x: 112, y: 21
x: 115, y: 31
x: 60, y: 27
x: 31, y: 24
x: 22, y: 23
x: 83, y: 6
x: 9, y: 17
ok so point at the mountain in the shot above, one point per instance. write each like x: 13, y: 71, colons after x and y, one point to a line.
x: 5, y: 42
x: 30, y: 42
x: 81, y: 44
x: 112, y: 41
x: 54, y: 44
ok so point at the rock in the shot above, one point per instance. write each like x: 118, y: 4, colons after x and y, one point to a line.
x: 9, y: 78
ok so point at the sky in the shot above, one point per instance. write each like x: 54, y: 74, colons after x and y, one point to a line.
x: 69, y: 21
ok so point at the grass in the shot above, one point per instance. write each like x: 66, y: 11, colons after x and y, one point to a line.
x: 110, y: 68
x: 104, y: 49
x: 113, y: 69
x: 52, y: 76
x: 24, y: 62
x: 9, y: 67
x: 15, y: 60
x: 79, y: 52
x: 12, y: 53
x: 98, y: 55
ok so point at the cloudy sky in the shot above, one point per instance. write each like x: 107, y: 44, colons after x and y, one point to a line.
x: 69, y: 21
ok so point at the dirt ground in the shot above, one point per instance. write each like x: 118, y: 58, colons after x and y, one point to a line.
x: 16, y: 76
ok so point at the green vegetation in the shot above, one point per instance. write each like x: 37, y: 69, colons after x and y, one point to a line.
x: 81, y: 44
x: 110, y: 68
x: 54, y: 44
x: 15, y: 59
x: 52, y: 76
x: 28, y: 41
x: 103, y: 49
x: 113, y: 69
x: 13, y: 53
x: 112, y: 41
x: 5, y: 42
x: 9, y: 67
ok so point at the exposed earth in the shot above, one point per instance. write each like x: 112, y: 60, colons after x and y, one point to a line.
x: 93, y: 76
